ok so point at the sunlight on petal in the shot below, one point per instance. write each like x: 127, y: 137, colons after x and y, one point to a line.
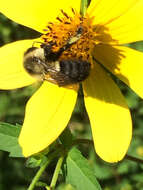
x: 105, y: 11
x: 47, y: 114
x: 12, y: 73
x: 36, y: 14
x: 121, y: 19
x: 109, y: 116
x: 124, y: 62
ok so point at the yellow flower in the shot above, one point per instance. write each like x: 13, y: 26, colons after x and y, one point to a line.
x: 113, y: 23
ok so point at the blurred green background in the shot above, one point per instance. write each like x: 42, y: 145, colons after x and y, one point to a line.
x: 14, y: 175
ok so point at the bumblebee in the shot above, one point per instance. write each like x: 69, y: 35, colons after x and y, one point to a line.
x: 45, y: 64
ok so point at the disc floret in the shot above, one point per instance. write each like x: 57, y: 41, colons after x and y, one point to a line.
x: 65, y: 27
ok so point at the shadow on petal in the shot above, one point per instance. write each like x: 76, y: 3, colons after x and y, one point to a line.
x: 99, y: 85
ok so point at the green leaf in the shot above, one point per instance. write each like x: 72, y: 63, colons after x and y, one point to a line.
x: 36, y: 161
x: 79, y: 173
x: 41, y: 184
x: 9, y: 139
x: 33, y: 162
x: 65, y: 187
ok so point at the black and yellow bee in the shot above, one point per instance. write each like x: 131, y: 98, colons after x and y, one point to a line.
x: 45, y: 64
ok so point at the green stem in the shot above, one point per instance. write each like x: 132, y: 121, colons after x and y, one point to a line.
x: 134, y: 159
x: 83, y: 7
x: 43, y: 167
x: 90, y: 142
x: 38, y: 174
x: 56, y: 172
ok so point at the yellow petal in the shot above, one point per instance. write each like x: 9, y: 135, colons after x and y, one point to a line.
x: 121, y: 19
x: 36, y: 13
x: 124, y: 62
x: 47, y: 114
x: 12, y: 73
x: 109, y: 116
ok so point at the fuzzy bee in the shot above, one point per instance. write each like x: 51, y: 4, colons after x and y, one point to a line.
x: 44, y: 64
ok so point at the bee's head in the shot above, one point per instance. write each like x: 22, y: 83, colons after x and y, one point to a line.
x: 34, y: 62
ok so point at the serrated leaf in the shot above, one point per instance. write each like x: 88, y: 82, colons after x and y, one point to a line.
x: 9, y: 139
x: 36, y: 161
x: 79, y: 173
x: 32, y: 162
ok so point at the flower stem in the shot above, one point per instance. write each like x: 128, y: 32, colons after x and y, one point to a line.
x: 56, y: 172
x: 83, y: 7
x: 43, y: 167
x: 38, y: 174
x: 90, y: 142
x: 134, y: 159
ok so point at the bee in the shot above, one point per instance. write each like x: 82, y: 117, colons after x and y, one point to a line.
x: 44, y: 64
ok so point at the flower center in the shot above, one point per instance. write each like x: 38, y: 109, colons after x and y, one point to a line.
x: 65, y: 53
x: 66, y: 29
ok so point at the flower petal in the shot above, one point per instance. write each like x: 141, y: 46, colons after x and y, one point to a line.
x: 12, y: 73
x: 36, y: 13
x: 121, y: 19
x: 47, y: 114
x: 124, y: 62
x: 109, y: 116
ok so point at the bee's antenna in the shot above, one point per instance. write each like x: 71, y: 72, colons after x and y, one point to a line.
x: 36, y: 42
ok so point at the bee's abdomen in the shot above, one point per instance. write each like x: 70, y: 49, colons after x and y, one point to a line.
x: 75, y: 70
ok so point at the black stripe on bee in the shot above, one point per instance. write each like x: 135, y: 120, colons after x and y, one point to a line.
x: 71, y: 72
x: 77, y: 70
